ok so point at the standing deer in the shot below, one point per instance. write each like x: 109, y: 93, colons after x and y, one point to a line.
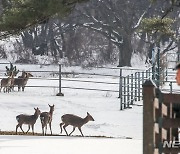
x: 6, y: 83
x: 29, y: 120
x: 75, y: 121
x: 46, y: 118
x: 21, y: 81
x: 15, y: 81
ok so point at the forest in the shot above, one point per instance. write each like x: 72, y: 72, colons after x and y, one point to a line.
x: 92, y: 33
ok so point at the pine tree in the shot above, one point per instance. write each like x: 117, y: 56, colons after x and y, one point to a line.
x: 11, y: 69
x: 20, y: 14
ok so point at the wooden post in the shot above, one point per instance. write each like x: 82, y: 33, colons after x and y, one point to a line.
x: 60, y: 93
x: 148, y: 117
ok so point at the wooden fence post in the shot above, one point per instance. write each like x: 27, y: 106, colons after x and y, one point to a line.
x: 148, y: 117
x: 60, y: 93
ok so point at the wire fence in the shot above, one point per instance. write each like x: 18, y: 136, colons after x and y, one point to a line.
x: 128, y: 86
x: 60, y: 79
x: 121, y: 85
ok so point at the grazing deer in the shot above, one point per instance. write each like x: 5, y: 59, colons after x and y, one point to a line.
x: 46, y: 118
x: 29, y: 120
x: 21, y: 81
x: 6, y: 83
x: 75, y: 121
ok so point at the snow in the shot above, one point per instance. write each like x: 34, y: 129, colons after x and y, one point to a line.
x: 67, y: 145
x: 103, y: 106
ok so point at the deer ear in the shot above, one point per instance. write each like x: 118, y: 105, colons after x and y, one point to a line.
x: 34, y: 108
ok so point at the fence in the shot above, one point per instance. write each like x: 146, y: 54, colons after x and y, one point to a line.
x: 161, y: 116
x: 59, y: 77
x: 130, y: 86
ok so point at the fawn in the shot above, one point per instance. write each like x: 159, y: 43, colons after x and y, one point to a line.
x: 21, y: 81
x: 6, y: 83
x: 29, y: 120
x: 75, y: 121
x: 46, y: 118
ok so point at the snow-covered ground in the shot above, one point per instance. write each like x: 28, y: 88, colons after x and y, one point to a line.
x: 103, y: 106
x: 67, y: 145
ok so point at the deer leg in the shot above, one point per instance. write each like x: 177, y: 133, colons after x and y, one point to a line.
x: 8, y: 89
x: 32, y: 129
x: 80, y: 131
x: 5, y: 89
x: 19, y: 88
x: 42, y: 130
x: 23, y: 88
x: 65, y: 128
x: 61, y: 126
x: 46, y: 130
x: 50, y: 127
x: 22, y: 129
x: 12, y: 88
x: 17, y: 128
x: 72, y: 131
x: 28, y: 129
x: 42, y: 123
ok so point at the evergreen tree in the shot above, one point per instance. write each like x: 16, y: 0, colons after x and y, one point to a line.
x: 18, y: 15
x: 11, y: 69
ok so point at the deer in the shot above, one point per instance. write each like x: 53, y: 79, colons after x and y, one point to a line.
x: 46, y: 118
x: 29, y: 120
x: 75, y: 121
x: 6, y: 83
x: 21, y: 81
x: 15, y: 81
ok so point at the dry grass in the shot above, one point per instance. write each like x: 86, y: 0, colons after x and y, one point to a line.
x: 40, y: 134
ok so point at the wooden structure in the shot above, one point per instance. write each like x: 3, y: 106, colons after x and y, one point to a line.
x: 160, y: 120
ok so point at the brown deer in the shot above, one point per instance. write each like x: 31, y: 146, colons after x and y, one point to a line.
x: 6, y: 83
x: 16, y: 80
x: 29, y: 120
x: 75, y: 121
x: 46, y: 118
x: 21, y: 81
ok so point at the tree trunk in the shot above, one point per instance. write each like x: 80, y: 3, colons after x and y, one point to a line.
x: 125, y: 52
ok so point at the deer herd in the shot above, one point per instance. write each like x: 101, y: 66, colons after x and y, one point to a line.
x: 8, y: 84
x: 46, y: 119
